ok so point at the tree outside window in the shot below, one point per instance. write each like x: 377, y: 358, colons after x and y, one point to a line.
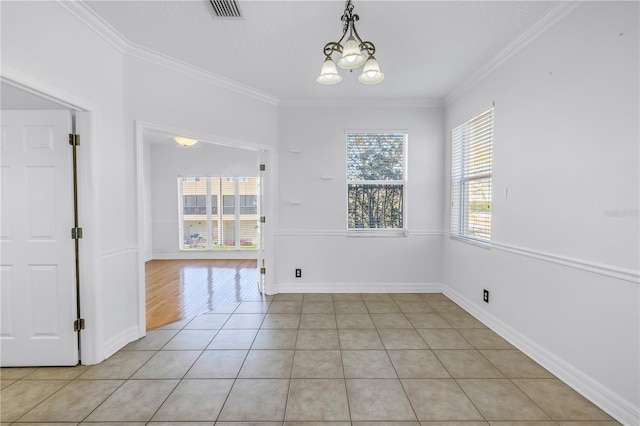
x: 376, y: 180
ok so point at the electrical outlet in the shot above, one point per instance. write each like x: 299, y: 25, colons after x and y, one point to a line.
x: 298, y: 273
x: 485, y: 296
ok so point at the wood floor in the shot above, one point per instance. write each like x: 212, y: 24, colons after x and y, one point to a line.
x: 178, y: 289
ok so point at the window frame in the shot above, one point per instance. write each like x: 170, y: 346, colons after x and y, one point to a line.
x: 470, y: 140
x: 379, y: 232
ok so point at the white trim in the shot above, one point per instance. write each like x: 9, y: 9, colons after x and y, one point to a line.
x: 120, y: 340
x: 548, y: 20
x: 94, y: 22
x: 87, y: 16
x: 364, y: 103
x: 473, y: 241
x: 18, y: 79
x: 141, y: 228
x: 615, y: 405
x: 377, y: 233
x: 202, y: 137
x: 345, y: 233
x: 572, y: 262
x: 119, y: 252
x: 612, y: 271
x: 424, y: 287
x: 207, y: 76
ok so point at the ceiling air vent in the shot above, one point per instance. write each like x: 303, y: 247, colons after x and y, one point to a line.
x: 226, y: 9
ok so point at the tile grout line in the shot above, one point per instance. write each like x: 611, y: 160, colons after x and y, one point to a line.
x: 344, y: 373
x: 235, y: 380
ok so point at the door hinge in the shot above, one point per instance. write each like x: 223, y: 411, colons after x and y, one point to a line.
x: 76, y: 233
x: 263, y: 167
x: 78, y: 324
x: 263, y: 271
x: 74, y: 139
x: 263, y: 219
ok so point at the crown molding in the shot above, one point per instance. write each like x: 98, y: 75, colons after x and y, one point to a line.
x: 193, y: 71
x: 548, y: 20
x: 364, y: 103
x: 87, y: 16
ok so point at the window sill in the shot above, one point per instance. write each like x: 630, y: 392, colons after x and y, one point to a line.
x: 378, y: 233
x: 472, y: 241
x: 195, y: 250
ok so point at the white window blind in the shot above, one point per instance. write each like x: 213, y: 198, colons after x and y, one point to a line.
x: 376, y: 173
x: 471, y: 168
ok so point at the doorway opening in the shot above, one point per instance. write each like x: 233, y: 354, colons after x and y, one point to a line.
x: 201, y: 223
x: 43, y: 274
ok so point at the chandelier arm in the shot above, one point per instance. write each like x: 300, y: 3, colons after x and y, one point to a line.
x: 355, y: 18
x: 331, y: 47
x: 369, y: 47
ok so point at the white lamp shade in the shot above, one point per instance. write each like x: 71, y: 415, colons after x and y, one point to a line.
x: 371, y: 72
x: 329, y: 73
x: 185, y: 141
x: 351, y: 56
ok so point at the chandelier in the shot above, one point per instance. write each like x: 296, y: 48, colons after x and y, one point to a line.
x: 352, y: 54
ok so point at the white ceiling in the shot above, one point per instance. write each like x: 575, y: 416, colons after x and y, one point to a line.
x: 425, y: 48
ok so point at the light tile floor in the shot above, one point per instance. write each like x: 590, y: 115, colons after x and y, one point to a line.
x: 293, y: 358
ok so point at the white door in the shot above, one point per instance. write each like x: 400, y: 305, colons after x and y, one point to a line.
x: 37, y: 258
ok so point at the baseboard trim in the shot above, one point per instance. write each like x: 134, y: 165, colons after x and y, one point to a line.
x: 614, y: 405
x: 358, y: 287
x: 118, y: 341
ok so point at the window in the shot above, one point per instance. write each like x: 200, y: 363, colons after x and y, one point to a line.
x: 471, y: 168
x: 194, y: 204
x: 376, y: 174
x: 229, y: 204
x: 248, y: 204
x: 218, y: 226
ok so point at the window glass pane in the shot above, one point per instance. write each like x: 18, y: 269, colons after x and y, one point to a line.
x: 375, y: 206
x: 248, y: 204
x: 228, y: 239
x: 477, y: 215
x: 372, y: 156
x: 228, y: 202
x: 214, y: 204
x: 194, y: 223
x: 248, y: 187
x: 215, y: 184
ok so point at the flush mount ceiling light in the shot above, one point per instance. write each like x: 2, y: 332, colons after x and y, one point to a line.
x: 185, y: 141
x: 352, y: 54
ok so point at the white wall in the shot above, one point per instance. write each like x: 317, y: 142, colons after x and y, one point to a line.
x: 563, y: 268
x: 312, y: 235
x: 203, y: 159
